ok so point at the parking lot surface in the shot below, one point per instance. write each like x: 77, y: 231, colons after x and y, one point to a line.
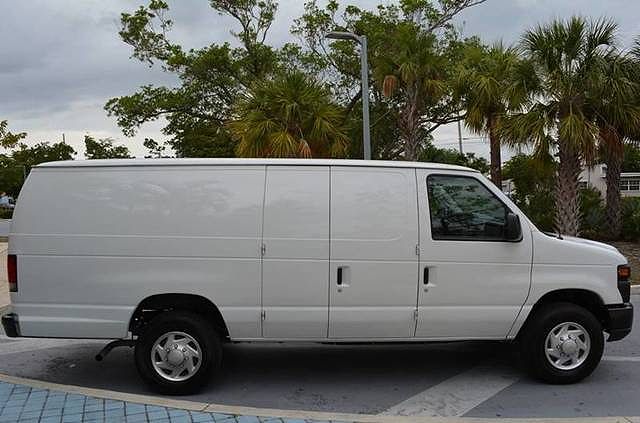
x: 452, y: 379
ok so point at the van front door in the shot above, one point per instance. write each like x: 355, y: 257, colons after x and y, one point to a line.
x: 295, y: 262
x: 473, y: 279
x: 374, y: 266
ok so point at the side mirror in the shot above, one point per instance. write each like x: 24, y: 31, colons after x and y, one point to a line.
x: 512, y: 229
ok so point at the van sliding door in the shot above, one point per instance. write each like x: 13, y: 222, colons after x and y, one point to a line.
x: 374, y: 265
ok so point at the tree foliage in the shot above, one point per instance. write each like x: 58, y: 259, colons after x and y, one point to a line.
x: 486, y: 84
x: 288, y: 116
x: 434, y: 154
x: 565, y: 59
x: 616, y: 112
x: 412, y: 49
x: 210, y: 78
x: 533, y: 179
x: 7, y: 138
x: 155, y: 149
x: 16, y: 165
x: 104, y: 149
x: 631, y: 158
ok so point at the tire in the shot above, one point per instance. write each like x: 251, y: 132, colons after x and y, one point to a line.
x: 567, y: 361
x: 182, y: 334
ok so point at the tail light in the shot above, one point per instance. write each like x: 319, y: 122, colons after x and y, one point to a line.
x: 12, y: 272
x: 624, y: 284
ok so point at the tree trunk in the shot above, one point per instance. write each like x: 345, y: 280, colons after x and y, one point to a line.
x: 410, y: 127
x: 567, y: 218
x: 496, y: 160
x: 613, y: 156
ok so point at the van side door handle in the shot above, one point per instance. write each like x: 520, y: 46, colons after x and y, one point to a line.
x: 425, y: 279
x: 343, y: 278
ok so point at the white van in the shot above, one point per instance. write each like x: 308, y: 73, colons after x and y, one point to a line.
x: 177, y: 257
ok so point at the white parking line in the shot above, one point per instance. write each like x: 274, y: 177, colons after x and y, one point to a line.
x: 458, y: 395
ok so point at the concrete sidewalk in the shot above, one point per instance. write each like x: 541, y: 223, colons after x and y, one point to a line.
x: 25, y: 404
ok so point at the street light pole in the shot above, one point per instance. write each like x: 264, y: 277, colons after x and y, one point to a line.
x: 364, y: 76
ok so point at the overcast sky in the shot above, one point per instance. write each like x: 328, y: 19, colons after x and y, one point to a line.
x: 60, y: 61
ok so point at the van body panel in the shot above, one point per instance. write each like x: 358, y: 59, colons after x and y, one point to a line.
x: 111, y: 237
x: 374, y: 234
x: 474, y: 288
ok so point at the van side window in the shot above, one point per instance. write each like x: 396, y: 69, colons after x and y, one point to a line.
x: 462, y: 208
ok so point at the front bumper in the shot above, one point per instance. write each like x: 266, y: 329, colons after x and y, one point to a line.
x: 620, y: 320
x: 11, y: 325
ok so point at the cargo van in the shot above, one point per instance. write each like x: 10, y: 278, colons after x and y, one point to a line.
x: 178, y: 256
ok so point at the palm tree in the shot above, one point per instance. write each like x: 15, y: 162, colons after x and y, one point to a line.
x: 413, y: 69
x: 485, y: 85
x: 564, y: 58
x: 290, y: 115
x: 616, y: 111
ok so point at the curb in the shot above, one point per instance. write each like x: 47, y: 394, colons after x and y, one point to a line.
x: 291, y: 414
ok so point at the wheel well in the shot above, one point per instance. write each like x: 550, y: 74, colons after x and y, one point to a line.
x: 154, y: 305
x: 582, y: 297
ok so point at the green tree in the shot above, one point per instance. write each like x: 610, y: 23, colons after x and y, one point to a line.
x: 631, y: 158
x: 104, y: 149
x: 17, y: 163
x: 486, y: 85
x: 288, y: 116
x: 9, y: 139
x: 41, y: 153
x: 210, y: 78
x: 433, y: 154
x: 616, y: 111
x: 156, y: 149
x: 413, y: 48
x: 533, y: 179
x: 564, y: 58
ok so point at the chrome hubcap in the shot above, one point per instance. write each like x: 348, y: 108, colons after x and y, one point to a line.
x: 176, y: 356
x: 567, y: 346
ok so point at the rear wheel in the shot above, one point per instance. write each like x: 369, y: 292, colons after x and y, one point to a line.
x: 562, y: 344
x: 177, y: 353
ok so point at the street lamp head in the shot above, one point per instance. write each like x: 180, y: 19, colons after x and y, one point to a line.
x: 339, y: 35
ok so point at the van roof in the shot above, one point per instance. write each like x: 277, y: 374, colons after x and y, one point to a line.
x: 238, y: 162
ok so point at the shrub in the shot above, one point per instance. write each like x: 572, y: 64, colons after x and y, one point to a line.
x: 631, y: 218
x: 592, y: 214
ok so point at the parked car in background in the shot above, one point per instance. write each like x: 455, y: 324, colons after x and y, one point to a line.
x: 177, y: 257
x: 6, y: 202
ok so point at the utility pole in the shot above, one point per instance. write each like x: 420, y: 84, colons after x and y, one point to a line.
x: 460, y: 136
x: 364, y: 76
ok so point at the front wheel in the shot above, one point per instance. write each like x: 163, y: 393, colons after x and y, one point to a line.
x: 177, y: 353
x: 562, y: 344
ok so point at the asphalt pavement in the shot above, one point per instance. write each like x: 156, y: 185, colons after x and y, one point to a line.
x: 453, y: 379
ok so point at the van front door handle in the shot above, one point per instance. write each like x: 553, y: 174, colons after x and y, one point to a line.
x: 339, y: 281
